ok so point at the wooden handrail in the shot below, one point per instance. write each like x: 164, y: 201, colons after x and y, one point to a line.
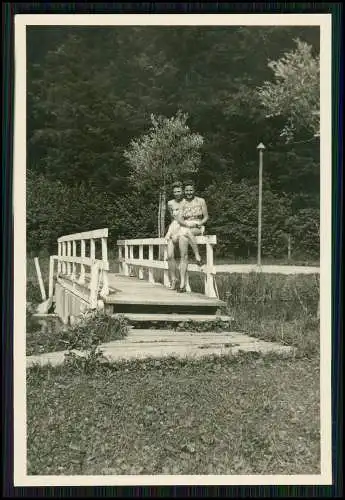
x: 126, y: 259
x: 68, y: 260
x: 202, y: 240
x: 87, y: 235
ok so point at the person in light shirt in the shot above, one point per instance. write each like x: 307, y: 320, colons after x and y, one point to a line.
x: 176, y: 230
x: 192, y: 217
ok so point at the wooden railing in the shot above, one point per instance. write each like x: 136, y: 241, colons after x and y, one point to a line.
x: 127, y: 259
x: 74, y: 267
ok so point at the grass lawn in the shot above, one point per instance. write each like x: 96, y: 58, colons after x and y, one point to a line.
x: 248, y: 415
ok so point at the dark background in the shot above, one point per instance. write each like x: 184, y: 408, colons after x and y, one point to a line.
x: 92, y: 89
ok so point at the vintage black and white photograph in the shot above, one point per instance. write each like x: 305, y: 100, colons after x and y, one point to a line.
x: 173, y: 182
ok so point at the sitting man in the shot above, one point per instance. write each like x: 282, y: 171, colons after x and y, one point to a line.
x: 192, y: 217
x: 176, y: 230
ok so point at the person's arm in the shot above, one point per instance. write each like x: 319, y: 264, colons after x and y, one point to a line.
x: 204, y: 213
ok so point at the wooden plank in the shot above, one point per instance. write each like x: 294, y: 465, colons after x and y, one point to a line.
x: 141, y: 257
x: 40, y: 280
x: 59, y: 254
x: 87, y: 261
x: 87, y: 235
x: 151, y: 276
x: 130, y: 290
x: 160, y: 264
x: 51, y: 277
x: 73, y: 289
x: 82, y: 266
x: 212, y: 239
x: 188, y: 300
x: 74, y: 265
x: 69, y: 254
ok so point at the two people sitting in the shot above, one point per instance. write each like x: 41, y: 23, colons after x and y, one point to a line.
x: 189, y: 215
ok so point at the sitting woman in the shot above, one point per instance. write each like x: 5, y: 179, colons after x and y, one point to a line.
x: 192, y: 217
x: 176, y: 230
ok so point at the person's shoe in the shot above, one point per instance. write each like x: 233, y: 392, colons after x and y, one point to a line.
x: 173, y: 285
x: 199, y: 262
x: 181, y: 290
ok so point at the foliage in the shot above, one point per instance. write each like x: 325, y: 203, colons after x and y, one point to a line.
x: 169, y: 151
x: 215, y: 325
x: 295, y: 94
x: 270, y: 296
x: 276, y: 308
x: 92, y: 329
x: 55, y: 208
x: 236, y: 206
x: 81, y: 121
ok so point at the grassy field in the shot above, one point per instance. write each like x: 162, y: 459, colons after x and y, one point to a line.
x: 232, y: 415
x: 249, y: 415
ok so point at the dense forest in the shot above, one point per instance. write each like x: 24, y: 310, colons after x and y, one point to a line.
x: 92, y: 90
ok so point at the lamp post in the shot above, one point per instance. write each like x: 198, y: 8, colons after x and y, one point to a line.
x: 261, y: 149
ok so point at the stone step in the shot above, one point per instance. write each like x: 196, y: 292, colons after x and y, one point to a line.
x: 172, y: 318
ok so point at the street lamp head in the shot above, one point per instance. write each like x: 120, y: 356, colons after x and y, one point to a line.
x: 261, y: 147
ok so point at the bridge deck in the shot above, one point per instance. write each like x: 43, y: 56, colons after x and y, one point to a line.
x: 131, y: 290
x: 131, y: 295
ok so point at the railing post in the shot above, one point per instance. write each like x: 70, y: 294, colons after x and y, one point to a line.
x: 51, y: 277
x: 166, y: 280
x: 92, y: 249
x: 69, y: 265
x: 105, y: 288
x: 209, y: 278
x: 151, y: 276
x: 74, y: 265
x: 188, y: 288
x: 125, y: 265
x: 141, y: 257
x: 64, y: 254
x: 94, y: 285
x: 59, y: 255
x: 131, y: 256
x: 82, y: 266
x: 120, y: 259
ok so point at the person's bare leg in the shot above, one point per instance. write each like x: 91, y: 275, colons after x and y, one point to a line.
x: 191, y: 238
x: 183, y: 244
x: 171, y: 263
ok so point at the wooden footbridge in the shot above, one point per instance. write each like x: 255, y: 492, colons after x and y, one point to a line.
x: 138, y: 287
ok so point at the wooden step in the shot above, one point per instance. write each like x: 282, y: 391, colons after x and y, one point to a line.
x: 154, y: 309
x: 173, y: 318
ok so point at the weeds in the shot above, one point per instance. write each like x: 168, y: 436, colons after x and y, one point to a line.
x: 92, y: 329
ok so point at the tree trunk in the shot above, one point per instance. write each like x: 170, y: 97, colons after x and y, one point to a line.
x: 163, y: 211
x: 159, y: 215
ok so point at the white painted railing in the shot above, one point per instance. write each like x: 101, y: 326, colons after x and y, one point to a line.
x: 74, y: 267
x: 126, y: 259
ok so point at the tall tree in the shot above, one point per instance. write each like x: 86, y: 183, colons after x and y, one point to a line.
x: 295, y: 93
x: 170, y: 150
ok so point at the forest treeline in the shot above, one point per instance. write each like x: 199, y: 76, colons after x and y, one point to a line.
x: 92, y: 90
